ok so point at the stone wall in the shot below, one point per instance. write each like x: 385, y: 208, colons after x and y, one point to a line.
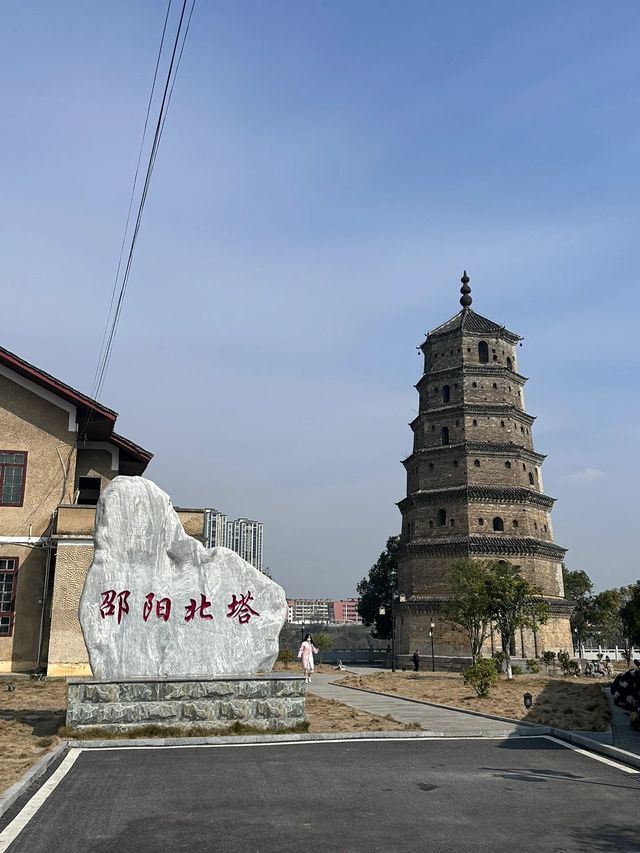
x: 271, y: 703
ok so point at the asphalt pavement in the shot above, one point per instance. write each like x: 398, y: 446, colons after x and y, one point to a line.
x: 515, y: 794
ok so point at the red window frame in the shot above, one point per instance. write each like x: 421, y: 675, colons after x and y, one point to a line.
x: 12, y: 602
x: 24, y: 476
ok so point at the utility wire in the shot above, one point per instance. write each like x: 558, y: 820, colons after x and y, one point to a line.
x: 164, y: 108
x: 131, y: 198
x: 113, y: 317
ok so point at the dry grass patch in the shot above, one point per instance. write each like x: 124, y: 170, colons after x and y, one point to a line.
x: 30, y: 716
x: 566, y: 703
x: 328, y: 715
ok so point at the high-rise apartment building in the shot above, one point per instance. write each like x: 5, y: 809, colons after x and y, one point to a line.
x: 324, y: 610
x: 243, y: 535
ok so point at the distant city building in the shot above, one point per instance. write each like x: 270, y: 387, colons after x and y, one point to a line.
x: 323, y: 610
x: 243, y: 536
x: 345, y: 612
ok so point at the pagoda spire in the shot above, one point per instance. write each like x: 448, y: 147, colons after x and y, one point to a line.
x: 465, y: 290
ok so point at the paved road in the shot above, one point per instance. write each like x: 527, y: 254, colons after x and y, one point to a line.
x: 433, y: 719
x: 518, y: 794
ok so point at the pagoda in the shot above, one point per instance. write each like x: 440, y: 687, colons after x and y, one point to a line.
x: 474, y: 489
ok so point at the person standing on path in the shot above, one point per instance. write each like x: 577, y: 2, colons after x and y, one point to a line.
x: 305, y: 656
x: 416, y: 661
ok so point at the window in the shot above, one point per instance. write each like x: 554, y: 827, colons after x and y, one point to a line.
x: 498, y: 524
x: 442, y: 516
x: 431, y: 466
x: 89, y: 490
x: 495, y: 386
x: 507, y: 464
x: 446, y: 393
x: 13, y: 465
x: 474, y: 384
x: 515, y: 522
x: 444, y: 435
x: 502, y: 424
x: 476, y: 462
x: 481, y: 521
x: 452, y: 522
x: 475, y: 422
x: 535, y: 525
x: 509, y: 364
x: 430, y: 523
x: 8, y: 572
x: 545, y: 529
x: 455, y: 463
x: 531, y: 481
x: 483, y: 352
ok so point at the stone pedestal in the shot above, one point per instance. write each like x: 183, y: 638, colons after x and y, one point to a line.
x: 271, y: 703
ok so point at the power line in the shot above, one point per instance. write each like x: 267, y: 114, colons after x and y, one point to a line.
x: 132, y: 196
x: 113, y: 318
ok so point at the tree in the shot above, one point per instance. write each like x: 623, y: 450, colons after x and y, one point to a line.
x: 470, y: 607
x: 577, y: 584
x: 377, y: 590
x: 515, y: 603
x: 603, y: 617
x: 323, y: 643
x: 630, y: 616
x: 577, y: 588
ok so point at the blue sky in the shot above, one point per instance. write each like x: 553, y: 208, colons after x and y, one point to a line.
x: 327, y: 170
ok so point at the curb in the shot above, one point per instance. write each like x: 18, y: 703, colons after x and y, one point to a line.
x: 239, y: 740
x: 32, y: 775
x: 613, y: 752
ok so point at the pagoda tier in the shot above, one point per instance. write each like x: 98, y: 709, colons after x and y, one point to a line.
x: 474, y: 484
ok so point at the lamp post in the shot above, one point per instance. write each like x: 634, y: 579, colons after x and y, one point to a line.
x: 382, y: 610
x: 433, y: 658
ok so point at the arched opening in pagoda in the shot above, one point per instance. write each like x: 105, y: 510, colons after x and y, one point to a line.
x: 483, y: 352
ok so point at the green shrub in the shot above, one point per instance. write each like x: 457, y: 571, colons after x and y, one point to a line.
x: 574, y: 668
x: 482, y: 676
x: 565, y: 662
x: 549, y: 660
x: 516, y: 670
x: 533, y: 665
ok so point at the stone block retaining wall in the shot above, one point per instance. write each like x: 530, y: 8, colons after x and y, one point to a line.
x: 270, y: 703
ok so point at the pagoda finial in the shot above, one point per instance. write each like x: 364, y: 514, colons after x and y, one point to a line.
x: 465, y: 290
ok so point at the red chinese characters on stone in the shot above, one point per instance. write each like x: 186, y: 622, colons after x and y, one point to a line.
x: 240, y: 607
x: 163, y: 607
x: 113, y: 601
x: 192, y: 608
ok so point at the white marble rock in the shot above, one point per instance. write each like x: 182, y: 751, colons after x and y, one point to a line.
x: 141, y: 547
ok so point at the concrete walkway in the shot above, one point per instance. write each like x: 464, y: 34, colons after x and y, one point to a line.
x: 439, y: 721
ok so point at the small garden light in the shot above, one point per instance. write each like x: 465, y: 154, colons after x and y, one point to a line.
x: 528, y: 700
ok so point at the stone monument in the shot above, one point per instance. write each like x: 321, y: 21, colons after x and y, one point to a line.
x: 177, y: 634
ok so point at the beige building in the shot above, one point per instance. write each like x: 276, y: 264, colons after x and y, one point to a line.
x: 58, y: 450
